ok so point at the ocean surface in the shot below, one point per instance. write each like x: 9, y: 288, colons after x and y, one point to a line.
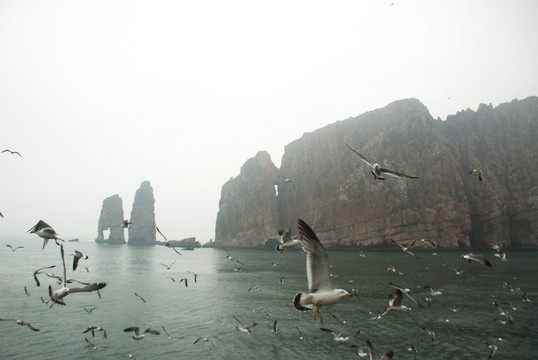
x: 463, y: 317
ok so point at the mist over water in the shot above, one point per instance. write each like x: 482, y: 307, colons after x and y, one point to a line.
x: 206, y: 308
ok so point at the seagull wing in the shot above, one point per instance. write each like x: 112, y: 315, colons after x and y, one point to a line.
x: 40, y: 225
x: 285, y: 235
x: 388, y: 356
x: 317, y: 264
x: 63, y: 262
x: 156, y: 227
x: 89, y: 288
x: 360, y: 155
x: 136, y: 329
x: 29, y: 325
x: 396, y: 299
x: 397, y: 174
x: 152, y: 331
x: 371, y: 351
x: 397, y: 243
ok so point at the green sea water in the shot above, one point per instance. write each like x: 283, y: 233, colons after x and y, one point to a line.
x: 262, y: 292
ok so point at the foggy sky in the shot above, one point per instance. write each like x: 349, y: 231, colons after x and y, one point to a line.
x: 99, y: 96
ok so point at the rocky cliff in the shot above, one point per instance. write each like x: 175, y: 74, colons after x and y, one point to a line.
x: 334, y: 191
x: 142, y: 230
x: 111, y: 218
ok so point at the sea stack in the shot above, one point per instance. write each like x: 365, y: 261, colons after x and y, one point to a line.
x: 111, y: 218
x: 142, y: 231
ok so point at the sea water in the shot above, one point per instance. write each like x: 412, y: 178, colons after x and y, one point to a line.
x: 261, y: 291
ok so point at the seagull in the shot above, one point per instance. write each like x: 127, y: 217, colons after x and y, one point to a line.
x: 168, y: 266
x: 94, y: 347
x: 126, y: 224
x: 378, y: 171
x: 395, y: 303
x: 500, y: 253
x: 21, y: 323
x: 479, y: 172
x: 492, y: 350
x: 320, y: 285
x: 13, y: 249
x: 138, y: 335
x: 430, y: 333
x: 288, y: 181
x: 300, y: 333
x: 405, y: 249
x: 12, y: 152
x: 167, y: 243
x: 93, y: 329
x: 171, y: 337
x: 242, y: 328
x: 286, y: 241
x: 185, y: 280
x: 89, y: 311
x: 413, y: 349
x: 407, y: 292
x: 341, y: 337
x: 458, y: 272
x: 422, y: 241
x: 44, y: 230
x: 141, y: 298
x: 525, y: 298
x: 26, y: 291
x: 229, y: 257
x: 57, y: 295
x: 476, y: 257
x: 76, y: 257
x: 1, y: 215
x: 433, y: 292
x: 374, y: 355
x: 205, y: 340
x: 275, y: 329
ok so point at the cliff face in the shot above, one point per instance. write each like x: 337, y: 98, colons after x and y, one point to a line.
x: 142, y: 230
x: 334, y: 191
x: 111, y: 218
x: 248, y: 205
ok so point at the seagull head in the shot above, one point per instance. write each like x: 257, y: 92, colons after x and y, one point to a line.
x: 343, y: 293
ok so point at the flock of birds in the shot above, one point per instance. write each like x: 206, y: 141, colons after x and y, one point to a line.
x: 321, y: 291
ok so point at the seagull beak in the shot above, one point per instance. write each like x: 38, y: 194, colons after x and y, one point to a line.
x: 349, y: 294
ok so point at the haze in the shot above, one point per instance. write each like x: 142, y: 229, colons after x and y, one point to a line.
x: 99, y: 96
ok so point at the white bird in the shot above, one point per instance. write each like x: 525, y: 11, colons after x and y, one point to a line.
x: 21, y: 323
x: 476, y: 257
x: 93, y: 329
x: 138, y: 335
x: 378, y: 171
x: 57, y: 295
x: 14, y: 248
x: 395, y: 303
x: 479, y: 172
x: 168, y: 266
x: 423, y: 241
x: 167, y: 243
x: 500, y: 253
x: 286, y: 241
x: 407, y: 292
x: 44, y: 230
x: 320, y: 285
x: 38, y: 271
x: 405, y: 249
x: 341, y: 337
x: 242, y: 328
x: 76, y: 258
x: 288, y: 181
x: 171, y: 337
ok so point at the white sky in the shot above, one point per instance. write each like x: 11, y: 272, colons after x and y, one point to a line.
x: 99, y: 96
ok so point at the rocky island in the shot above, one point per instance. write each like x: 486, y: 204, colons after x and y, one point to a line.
x: 111, y: 218
x: 321, y: 181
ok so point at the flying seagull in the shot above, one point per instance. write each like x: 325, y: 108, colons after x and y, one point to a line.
x: 26, y: 291
x: 168, y: 266
x: 44, y: 230
x: 423, y: 241
x: 76, y: 258
x: 341, y: 337
x: 138, y: 335
x: 38, y: 271
x: 395, y: 303
x: 500, y: 253
x: 93, y: 329
x: 476, y: 257
x: 89, y: 311
x: 12, y: 152
x: 479, y: 172
x: 407, y: 292
x: 242, y: 328
x: 57, y: 295
x: 374, y: 355
x: 378, y: 171
x: 320, y: 285
x: 405, y: 249
x: 286, y: 241
x: 195, y: 276
x: 21, y: 323
x: 229, y: 257
x: 13, y: 249
x: 126, y: 224
x: 167, y: 243
x: 288, y: 181
x: 171, y: 337
x: 141, y: 298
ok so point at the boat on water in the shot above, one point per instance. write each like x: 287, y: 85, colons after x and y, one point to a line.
x: 73, y: 240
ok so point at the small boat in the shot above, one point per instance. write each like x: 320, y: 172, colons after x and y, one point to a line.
x: 74, y: 240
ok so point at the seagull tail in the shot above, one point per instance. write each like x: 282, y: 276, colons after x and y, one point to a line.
x: 297, y: 302
x: 279, y: 248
